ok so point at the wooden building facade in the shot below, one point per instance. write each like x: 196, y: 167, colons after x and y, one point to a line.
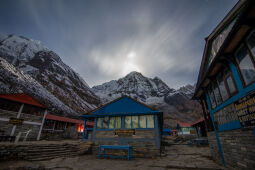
x: 20, y: 113
x: 126, y: 121
x: 226, y: 87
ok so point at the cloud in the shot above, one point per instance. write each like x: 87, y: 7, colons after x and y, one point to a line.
x: 97, y: 37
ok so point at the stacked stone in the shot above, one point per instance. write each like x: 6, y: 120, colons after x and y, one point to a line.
x: 238, y: 148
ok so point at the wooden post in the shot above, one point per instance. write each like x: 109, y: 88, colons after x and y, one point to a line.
x: 54, y: 125
x: 18, y: 116
x: 40, y: 130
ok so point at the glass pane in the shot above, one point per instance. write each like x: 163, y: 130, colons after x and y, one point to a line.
x: 246, y: 65
x: 128, y: 122
x: 222, y: 87
x: 217, y: 93
x: 231, y: 84
x: 111, y: 122
x: 134, y: 121
x: 142, y: 121
x: 251, y: 42
x: 150, y: 121
x: 118, y: 123
x: 105, y: 122
x: 99, y: 123
x: 211, y: 96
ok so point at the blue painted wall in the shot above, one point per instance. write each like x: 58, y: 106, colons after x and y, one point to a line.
x: 124, y: 105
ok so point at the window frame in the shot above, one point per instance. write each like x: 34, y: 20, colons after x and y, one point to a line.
x: 216, y: 85
x: 249, y: 47
x: 246, y: 45
x: 225, y: 77
x: 225, y: 85
x: 215, y: 82
x: 210, y: 88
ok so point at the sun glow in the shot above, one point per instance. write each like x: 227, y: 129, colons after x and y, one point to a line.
x: 130, y: 64
x: 132, y: 54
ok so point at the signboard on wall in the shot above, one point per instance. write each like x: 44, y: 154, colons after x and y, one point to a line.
x: 124, y: 132
x: 245, y: 109
x: 226, y: 115
x: 16, y: 121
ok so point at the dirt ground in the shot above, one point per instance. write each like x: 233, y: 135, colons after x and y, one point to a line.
x: 177, y: 156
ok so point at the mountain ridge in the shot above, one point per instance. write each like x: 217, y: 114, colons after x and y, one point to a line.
x: 31, y: 57
x: 176, y: 104
x: 38, y: 68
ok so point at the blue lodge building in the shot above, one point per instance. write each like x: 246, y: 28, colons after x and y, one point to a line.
x: 226, y: 87
x: 126, y: 121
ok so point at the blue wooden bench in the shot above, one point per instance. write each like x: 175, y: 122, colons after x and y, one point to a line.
x: 104, y: 147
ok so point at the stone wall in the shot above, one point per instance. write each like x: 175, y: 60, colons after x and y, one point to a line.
x: 43, y: 150
x: 238, y: 148
x: 143, y: 142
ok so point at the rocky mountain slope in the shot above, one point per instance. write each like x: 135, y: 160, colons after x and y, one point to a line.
x: 39, y: 69
x: 176, y: 104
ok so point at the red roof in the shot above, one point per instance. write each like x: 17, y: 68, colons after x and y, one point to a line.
x: 181, y: 124
x: 199, y: 120
x: 66, y: 119
x: 22, y: 98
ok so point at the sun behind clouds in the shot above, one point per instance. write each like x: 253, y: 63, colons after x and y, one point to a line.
x: 130, y: 64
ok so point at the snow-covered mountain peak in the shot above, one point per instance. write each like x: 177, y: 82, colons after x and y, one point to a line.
x: 32, y: 58
x: 19, y: 47
x: 188, y: 89
x: 154, y: 92
x: 135, y: 85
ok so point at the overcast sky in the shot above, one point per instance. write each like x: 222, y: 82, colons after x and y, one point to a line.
x: 104, y: 40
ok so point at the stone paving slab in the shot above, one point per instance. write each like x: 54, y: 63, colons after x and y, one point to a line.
x: 177, y: 157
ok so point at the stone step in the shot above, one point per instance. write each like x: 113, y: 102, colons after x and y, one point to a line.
x: 50, y: 153
x: 53, y: 146
x: 42, y: 158
x: 51, y: 149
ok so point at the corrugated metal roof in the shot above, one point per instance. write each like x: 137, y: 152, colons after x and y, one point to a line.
x: 199, y: 120
x: 22, y: 98
x: 123, y: 105
x: 66, y: 119
x: 182, y: 124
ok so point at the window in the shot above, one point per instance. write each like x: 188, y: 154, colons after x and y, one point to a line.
x: 105, y: 122
x: 111, y: 122
x: 246, y: 65
x: 211, y: 96
x: 231, y: 85
x: 135, y: 122
x: 229, y: 81
x: 99, y: 123
x: 251, y: 43
x: 142, y: 121
x: 118, y: 122
x: 150, y: 121
x: 128, y: 122
x: 217, y: 94
x: 222, y: 87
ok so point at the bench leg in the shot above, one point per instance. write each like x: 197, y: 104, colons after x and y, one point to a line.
x: 131, y: 153
x: 104, y: 153
x: 99, y: 152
